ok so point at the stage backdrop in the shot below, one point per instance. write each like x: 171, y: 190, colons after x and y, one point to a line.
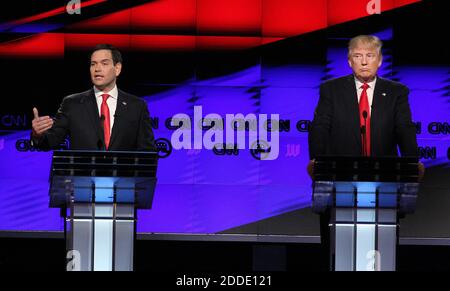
x: 229, y: 57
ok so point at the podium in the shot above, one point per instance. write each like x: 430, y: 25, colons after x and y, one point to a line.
x: 365, y: 197
x: 99, y: 193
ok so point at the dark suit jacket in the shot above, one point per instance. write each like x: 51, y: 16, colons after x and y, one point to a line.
x: 335, y: 129
x: 78, y: 118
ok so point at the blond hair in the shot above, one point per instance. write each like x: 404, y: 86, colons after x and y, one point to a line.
x: 371, y: 41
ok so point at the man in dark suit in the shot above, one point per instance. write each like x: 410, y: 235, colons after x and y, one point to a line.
x: 102, y: 118
x: 339, y: 116
x: 361, y: 115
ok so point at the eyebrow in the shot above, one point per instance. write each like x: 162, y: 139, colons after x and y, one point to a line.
x: 361, y: 54
x: 101, y: 60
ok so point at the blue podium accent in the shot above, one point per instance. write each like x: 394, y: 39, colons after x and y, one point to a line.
x: 365, y: 196
x: 98, y: 193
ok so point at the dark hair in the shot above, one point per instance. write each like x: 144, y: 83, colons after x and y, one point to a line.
x: 116, y: 55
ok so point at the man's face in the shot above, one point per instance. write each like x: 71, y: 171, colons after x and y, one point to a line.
x: 364, y: 62
x: 103, y: 70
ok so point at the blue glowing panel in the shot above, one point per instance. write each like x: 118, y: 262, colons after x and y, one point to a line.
x: 227, y: 100
x: 277, y: 199
x: 429, y: 101
x: 289, y: 168
x: 385, y: 35
x: 199, y: 208
x: 290, y: 103
x: 104, y: 190
x: 24, y: 186
x: 434, y: 152
x: 36, y: 28
x: 292, y: 76
x: 171, y: 210
x: 230, y: 168
x: 247, y: 77
x: 178, y: 168
x: 213, y: 208
x: 168, y: 101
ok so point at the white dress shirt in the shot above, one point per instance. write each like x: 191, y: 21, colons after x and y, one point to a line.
x: 370, y: 91
x: 111, y: 101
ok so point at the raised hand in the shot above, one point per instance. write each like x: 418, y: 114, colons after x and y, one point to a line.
x: 40, y: 124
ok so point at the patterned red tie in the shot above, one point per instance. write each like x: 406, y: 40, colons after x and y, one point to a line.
x: 364, y: 107
x: 106, y: 121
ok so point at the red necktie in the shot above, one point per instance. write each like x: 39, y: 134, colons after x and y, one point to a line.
x: 364, y: 107
x: 106, y: 121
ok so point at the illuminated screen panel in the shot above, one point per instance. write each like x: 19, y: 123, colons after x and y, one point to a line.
x: 227, y: 57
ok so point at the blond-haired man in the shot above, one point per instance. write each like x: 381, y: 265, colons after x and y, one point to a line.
x: 361, y: 114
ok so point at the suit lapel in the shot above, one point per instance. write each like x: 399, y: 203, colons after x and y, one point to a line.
x: 121, y: 110
x: 351, y: 101
x: 379, y: 94
x: 92, y: 109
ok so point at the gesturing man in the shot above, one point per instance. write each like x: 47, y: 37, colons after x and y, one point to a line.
x: 102, y: 118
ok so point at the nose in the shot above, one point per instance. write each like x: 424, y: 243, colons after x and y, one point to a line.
x: 364, y: 60
x: 97, y: 67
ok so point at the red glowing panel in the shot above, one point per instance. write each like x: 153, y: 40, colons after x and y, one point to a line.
x: 229, y: 17
x: 341, y: 11
x: 162, y: 14
x: 400, y: 3
x: 117, y: 20
x: 165, y: 14
x: 78, y: 41
x: 46, y: 45
x: 293, y: 17
x: 267, y: 40
x: 51, y: 13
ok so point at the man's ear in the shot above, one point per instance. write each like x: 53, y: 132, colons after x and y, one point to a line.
x: 118, y: 68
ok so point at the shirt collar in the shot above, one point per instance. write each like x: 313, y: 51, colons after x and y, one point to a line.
x: 371, y: 84
x: 113, y: 93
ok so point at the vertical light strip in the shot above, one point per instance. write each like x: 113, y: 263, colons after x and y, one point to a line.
x: 103, y: 246
x: 344, y: 252
x: 365, y: 247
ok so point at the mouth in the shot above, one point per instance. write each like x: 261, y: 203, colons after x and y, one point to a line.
x: 98, y: 77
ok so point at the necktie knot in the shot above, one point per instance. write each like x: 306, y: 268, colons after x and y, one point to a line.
x: 365, y: 86
x: 105, y: 97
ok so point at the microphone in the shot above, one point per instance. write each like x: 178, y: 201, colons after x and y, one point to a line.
x: 363, y: 132
x: 364, y: 116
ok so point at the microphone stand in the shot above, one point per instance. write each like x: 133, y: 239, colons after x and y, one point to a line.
x: 364, y: 133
